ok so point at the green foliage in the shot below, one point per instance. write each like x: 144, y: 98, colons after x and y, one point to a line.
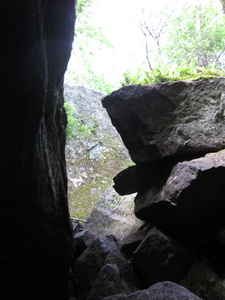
x: 196, y: 34
x: 100, y: 171
x: 81, y: 6
x: 190, y: 43
x: 189, y: 33
x: 88, y: 78
x: 90, y: 42
x: 168, y: 73
x: 182, y: 41
x: 75, y: 129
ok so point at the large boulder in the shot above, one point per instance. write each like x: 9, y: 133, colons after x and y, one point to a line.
x: 101, y: 270
x: 160, y: 258
x: 113, y: 214
x: 171, y: 118
x: 159, y: 291
x: 191, y: 203
x: 204, y: 282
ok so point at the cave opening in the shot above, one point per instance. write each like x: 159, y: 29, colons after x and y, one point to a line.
x: 40, y: 258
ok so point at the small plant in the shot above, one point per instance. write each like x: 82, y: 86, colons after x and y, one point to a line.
x: 75, y: 129
x: 167, y: 73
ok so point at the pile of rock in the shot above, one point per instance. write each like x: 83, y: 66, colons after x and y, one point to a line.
x: 175, y: 133
x: 168, y: 129
x: 104, y: 269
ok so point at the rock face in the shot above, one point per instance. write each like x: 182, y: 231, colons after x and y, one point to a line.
x: 172, y: 118
x: 95, y: 155
x: 36, y: 237
x: 87, y: 107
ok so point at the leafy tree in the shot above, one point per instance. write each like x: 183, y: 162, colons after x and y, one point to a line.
x: 82, y: 5
x: 180, y: 38
x: 89, y: 42
x: 196, y: 35
x: 153, y: 26
x: 184, y: 34
x: 189, y: 40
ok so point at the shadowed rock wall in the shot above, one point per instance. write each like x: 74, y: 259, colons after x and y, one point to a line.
x: 35, y: 254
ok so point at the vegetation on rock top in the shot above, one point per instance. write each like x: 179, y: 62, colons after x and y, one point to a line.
x: 178, y: 40
x: 166, y: 74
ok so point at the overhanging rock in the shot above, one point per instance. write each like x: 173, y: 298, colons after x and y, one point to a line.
x: 172, y: 118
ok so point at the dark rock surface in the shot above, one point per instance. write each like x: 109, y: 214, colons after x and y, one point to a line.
x: 191, y: 203
x: 170, y: 130
x: 101, y: 270
x: 36, y: 237
x: 129, y: 243
x: 154, y: 173
x: 204, y: 282
x: 160, y: 258
x: 172, y: 118
x: 159, y: 291
x: 82, y: 240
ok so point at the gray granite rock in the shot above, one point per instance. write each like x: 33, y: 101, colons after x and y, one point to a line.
x: 98, y: 267
x: 159, y: 291
x: 160, y: 258
x: 204, y: 282
x: 171, y: 118
x: 191, y: 203
x: 113, y: 214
